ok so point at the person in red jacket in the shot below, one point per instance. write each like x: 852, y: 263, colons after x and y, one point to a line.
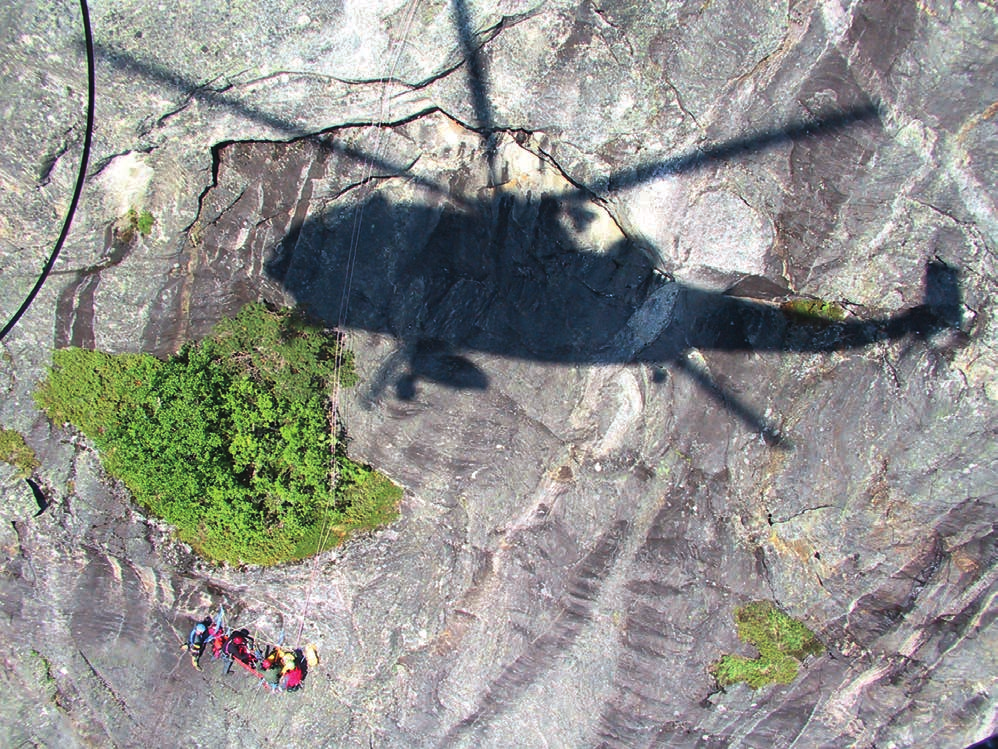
x: 291, y: 681
x: 238, y: 646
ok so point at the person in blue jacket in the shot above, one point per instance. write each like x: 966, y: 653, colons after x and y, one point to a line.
x: 196, y: 641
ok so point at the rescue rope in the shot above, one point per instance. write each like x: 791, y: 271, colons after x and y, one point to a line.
x: 354, y: 244
x: 80, y: 177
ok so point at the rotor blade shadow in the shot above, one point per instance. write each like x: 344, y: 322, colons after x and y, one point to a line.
x: 477, y: 85
x: 764, y: 140
x: 202, y: 92
x: 824, y: 125
x: 770, y: 433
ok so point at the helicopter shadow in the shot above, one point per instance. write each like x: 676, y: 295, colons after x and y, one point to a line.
x: 511, y: 275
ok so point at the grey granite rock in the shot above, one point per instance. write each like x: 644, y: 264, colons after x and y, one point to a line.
x: 565, y: 230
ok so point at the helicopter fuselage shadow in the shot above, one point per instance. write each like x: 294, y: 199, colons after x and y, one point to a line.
x: 507, y: 277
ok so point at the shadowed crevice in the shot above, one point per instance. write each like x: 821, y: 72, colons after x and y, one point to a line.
x: 40, y: 499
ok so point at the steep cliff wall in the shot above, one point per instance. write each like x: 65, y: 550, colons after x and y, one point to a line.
x: 533, y: 211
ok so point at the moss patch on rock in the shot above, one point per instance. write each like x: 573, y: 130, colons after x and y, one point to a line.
x: 782, y: 641
x: 135, y: 222
x: 814, y: 311
x: 15, y: 451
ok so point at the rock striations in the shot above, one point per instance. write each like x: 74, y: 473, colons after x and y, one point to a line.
x: 557, y: 236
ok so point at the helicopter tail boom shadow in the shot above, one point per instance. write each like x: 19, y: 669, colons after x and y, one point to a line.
x: 752, y: 325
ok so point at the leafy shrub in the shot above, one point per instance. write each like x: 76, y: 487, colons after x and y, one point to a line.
x: 229, y: 440
x: 93, y: 390
x: 135, y: 222
x: 781, y: 640
x: 15, y: 451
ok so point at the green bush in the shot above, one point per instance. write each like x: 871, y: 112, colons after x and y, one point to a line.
x: 15, y: 451
x: 781, y: 640
x: 229, y: 440
x: 135, y: 222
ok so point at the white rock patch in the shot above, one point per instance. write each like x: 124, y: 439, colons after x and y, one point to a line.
x: 125, y: 182
x: 723, y: 232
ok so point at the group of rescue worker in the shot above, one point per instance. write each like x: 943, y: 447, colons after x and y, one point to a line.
x: 282, y: 669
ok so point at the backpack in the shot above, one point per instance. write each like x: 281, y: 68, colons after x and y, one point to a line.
x: 311, y: 655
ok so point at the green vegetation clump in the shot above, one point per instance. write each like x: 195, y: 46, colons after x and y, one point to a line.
x: 230, y: 439
x: 135, y: 221
x: 41, y: 673
x: 782, y: 641
x: 814, y: 310
x: 15, y: 451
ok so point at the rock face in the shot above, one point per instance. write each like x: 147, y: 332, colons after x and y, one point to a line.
x: 557, y: 236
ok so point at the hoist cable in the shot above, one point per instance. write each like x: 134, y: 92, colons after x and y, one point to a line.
x: 80, y: 177
x: 354, y: 244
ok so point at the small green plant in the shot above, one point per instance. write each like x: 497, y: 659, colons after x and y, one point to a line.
x: 195, y: 234
x: 782, y: 641
x: 15, y: 451
x: 229, y: 440
x: 814, y: 311
x: 40, y: 669
x: 135, y: 221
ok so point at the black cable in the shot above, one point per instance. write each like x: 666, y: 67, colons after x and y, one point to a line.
x: 88, y: 33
